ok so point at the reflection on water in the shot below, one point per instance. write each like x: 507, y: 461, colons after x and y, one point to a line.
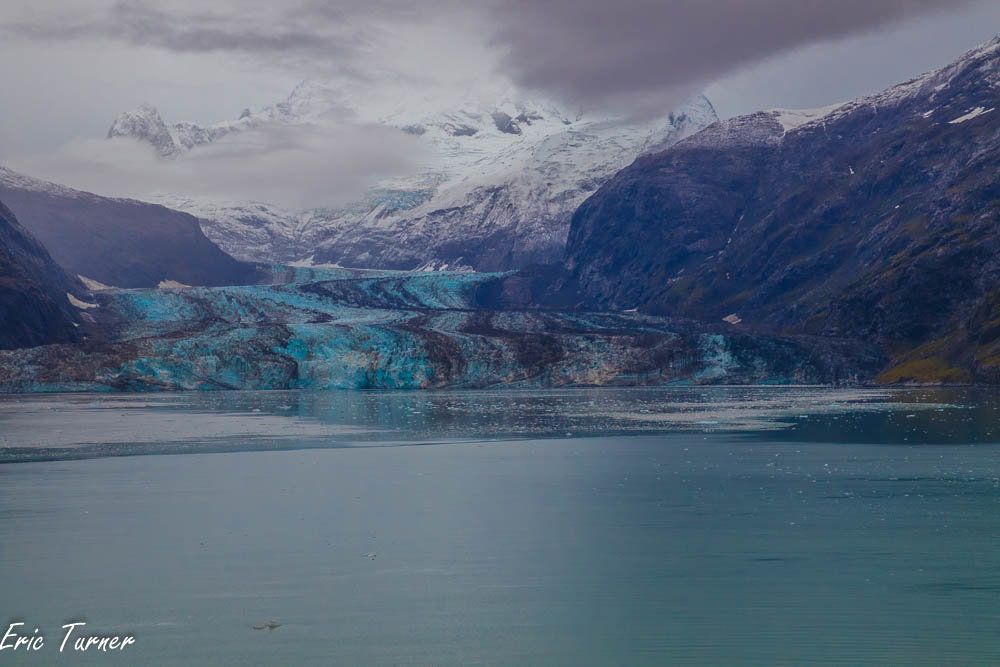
x: 924, y: 416
x: 744, y: 526
x: 87, y: 425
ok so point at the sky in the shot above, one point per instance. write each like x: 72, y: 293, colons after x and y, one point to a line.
x: 68, y: 67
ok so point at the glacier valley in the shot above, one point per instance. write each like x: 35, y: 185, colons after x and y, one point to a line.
x: 498, y: 181
x: 358, y: 329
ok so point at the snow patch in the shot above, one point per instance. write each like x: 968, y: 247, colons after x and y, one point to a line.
x: 792, y: 119
x: 974, y: 113
x: 82, y: 305
x: 438, y: 265
x: 93, y: 285
x: 310, y: 263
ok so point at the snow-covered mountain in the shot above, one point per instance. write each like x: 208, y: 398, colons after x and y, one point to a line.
x: 500, y: 178
x: 875, y: 220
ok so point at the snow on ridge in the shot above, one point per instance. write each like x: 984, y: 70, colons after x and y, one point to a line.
x: 93, y: 285
x: 792, y: 119
x: 310, y: 263
x: 973, y: 113
x: 171, y: 284
x: 144, y: 122
x: 506, y: 162
x: 77, y: 303
x: 437, y: 266
x: 19, y: 181
x: 929, y: 83
x: 24, y: 182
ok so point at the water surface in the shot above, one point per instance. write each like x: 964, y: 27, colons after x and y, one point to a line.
x: 689, y: 525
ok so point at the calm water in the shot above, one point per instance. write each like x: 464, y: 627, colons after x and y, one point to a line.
x: 721, y: 526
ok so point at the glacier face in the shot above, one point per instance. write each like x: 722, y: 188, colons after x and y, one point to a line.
x: 500, y: 178
x: 356, y: 329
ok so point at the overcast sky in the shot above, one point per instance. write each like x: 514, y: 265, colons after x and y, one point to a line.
x: 67, y: 67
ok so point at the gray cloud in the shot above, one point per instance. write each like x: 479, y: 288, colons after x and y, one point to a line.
x: 304, y: 38
x: 299, y: 166
x: 594, y: 52
x: 589, y: 52
x: 70, y: 66
x: 823, y: 73
x: 252, y: 29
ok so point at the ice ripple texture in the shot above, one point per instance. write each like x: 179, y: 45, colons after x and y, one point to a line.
x: 352, y: 329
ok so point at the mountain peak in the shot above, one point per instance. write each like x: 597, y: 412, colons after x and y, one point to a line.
x: 145, y: 124
x: 500, y: 175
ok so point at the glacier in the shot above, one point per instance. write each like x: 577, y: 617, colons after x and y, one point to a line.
x: 500, y: 178
x: 311, y: 328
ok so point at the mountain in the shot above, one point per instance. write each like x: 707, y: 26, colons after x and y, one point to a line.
x: 876, y: 219
x: 145, y: 123
x: 35, y: 294
x: 496, y: 189
x: 119, y: 242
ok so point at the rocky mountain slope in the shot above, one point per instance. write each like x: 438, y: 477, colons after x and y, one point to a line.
x: 35, y: 306
x: 501, y: 178
x: 120, y: 242
x: 877, y: 219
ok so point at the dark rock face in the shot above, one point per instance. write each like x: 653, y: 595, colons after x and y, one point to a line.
x: 505, y: 123
x: 34, y: 308
x: 666, y: 213
x: 876, y: 221
x: 461, y: 130
x: 119, y: 242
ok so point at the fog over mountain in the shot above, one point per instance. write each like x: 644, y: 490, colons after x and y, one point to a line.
x: 206, y: 62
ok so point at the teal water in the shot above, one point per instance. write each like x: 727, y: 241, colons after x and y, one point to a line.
x: 667, y: 526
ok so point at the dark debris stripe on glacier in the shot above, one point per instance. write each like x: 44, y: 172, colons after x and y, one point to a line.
x: 344, y: 329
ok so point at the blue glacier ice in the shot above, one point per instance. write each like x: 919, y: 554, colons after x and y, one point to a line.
x: 313, y: 328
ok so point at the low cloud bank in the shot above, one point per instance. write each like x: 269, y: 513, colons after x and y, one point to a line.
x: 299, y: 166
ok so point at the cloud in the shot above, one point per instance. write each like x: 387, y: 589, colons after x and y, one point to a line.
x: 71, y: 66
x: 637, y: 52
x: 284, y: 34
x: 823, y: 73
x: 297, y: 167
x: 340, y: 38
x: 437, y: 43
x: 588, y: 52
